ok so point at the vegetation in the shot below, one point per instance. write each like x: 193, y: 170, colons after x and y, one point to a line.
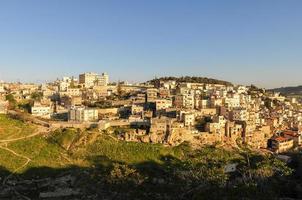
x: 36, y: 96
x: 105, y: 166
x: 12, y: 101
x: 289, y: 90
x: 11, y: 128
x: 100, y: 104
x: 25, y: 105
x: 189, y: 79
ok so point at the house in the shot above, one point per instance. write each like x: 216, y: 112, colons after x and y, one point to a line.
x: 162, y: 104
x: 184, y: 101
x: 189, y: 119
x: 3, y: 106
x: 159, y: 125
x: 281, y: 144
x: 239, y: 114
x: 137, y: 109
x: 71, y: 92
x: 151, y: 94
x: 294, y: 135
x: 2, y: 90
x: 164, y: 93
x: 41, y: 110
x: 69, y: 101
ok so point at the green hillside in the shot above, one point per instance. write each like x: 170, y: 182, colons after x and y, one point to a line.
x: 289, y: 91
x: 104, y: 167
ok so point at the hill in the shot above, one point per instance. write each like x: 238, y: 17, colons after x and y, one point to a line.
x: 88, y: 164
x: 289, y: 90
x: 193, y: 79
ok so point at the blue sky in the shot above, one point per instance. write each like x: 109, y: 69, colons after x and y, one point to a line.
x: 258, y: 41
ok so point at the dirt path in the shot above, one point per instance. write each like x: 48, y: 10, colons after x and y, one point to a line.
x: 18, y: 155
x: 37, y: 132
x: 3, y: 145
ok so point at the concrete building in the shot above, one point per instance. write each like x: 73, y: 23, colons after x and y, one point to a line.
x: 82, y: 114
x: 282, y: 144
x: 184, y: 101
x: 239, y: 114
x: 71, y: 92
x: 103, y: 79
x: 3, y: 106
x: 2, y: 90
x: 189, y: 119
x: 88, y: 79
x: 137, y: 109
x: 294, y: 135
x: 162, y: 104
x: 40, y: 110
x: 151, y: 94
x: 69, y: 101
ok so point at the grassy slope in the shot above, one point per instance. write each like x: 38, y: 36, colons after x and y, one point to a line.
x: 181, y: 168
x: 10, y: 128
x: 57, y: 151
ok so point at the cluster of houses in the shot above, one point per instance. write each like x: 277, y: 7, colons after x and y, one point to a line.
x: 168, y: 111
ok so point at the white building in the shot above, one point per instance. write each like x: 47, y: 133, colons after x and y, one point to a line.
x: 233, y: 101
x: 186, y: 100
x: 162, y: 104
x: 40, y: 110
x: 137, y: 109
x: 103, y: 80
x: 82, y: 114
x: 3, y: 106
x: 240, y: 114
x: 2, y: 90
x: 90, y: 79
x: 189, y: 119
x: 71, y: 92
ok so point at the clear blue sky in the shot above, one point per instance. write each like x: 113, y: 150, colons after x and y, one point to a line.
x: 256, y: 41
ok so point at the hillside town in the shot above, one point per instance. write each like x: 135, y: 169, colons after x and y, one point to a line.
x: 168, y: 110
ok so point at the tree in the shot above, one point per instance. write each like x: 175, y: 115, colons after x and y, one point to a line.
x: 37, y: 96
x: 12, y: 101
x: 119, y: 89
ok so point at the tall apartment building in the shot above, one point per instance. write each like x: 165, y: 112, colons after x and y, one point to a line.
x: 90, y: 79
x: 103, y: 80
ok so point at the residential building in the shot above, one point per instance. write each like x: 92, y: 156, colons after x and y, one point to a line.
x: 103, y: 79
x: 162, y: 104
x: 281, y: 144
x: 151, y: 94
x: 40, y: 110
x: 82, y: 114
x: 3, y: 106
x: 88, y: 79
x: 239, y: 114
x: 189, y: 119
x: 294, y: 135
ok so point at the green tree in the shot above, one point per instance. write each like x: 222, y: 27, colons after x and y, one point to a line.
x: 12, y: 101
x: 37, y: 96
